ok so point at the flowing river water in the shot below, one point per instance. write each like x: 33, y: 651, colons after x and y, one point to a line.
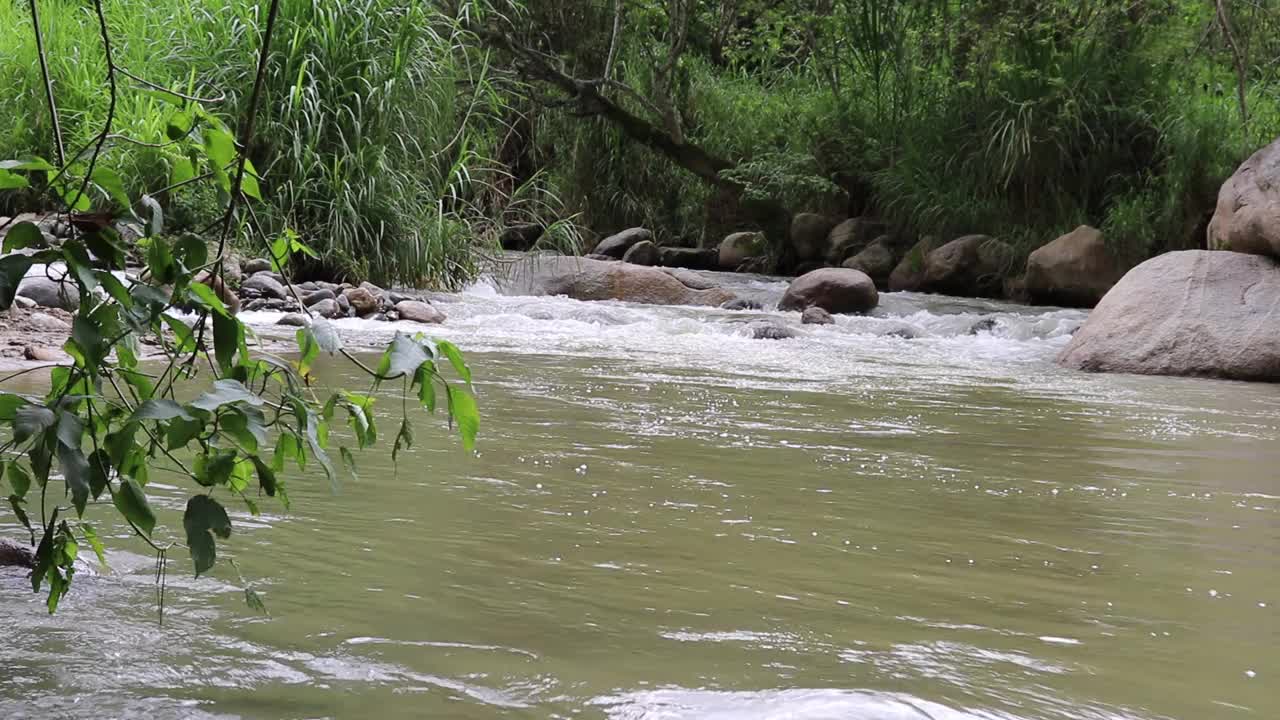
x: 907, y: 516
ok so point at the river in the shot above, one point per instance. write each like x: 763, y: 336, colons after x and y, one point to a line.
x: 907, y: 516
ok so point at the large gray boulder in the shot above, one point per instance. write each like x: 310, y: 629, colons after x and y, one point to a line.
x: 642, y: 253
x: 741, y: 246
x: 1247, y: 218
x: 1196, y: 312
x: 615, y: 246
x: 1075, y: 270
x: 263, y: 285
x: 970, y: 266
x: 689, y: 258
x: 809, y: 233
x: 876, y: 260
x: 419, y: 312
x: 850, y: 237
x: 836, y: 290
x: 908, y: 274
x: 62, y: 294
x: 584, y: 279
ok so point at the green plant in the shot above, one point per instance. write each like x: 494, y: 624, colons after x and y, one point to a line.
x: 113, y: 417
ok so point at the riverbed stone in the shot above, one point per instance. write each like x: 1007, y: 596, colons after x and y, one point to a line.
x: 689, y: 258
x: 585, y: 279
x: 969, y: 266
x: 14, y: 555
x: 362, y: 301
x: 521, y: 236
x: 876, y: 260
x: 741, y: 304
x: 1247, y: 218
x: 327, y: 308
x: 344, y: 304
x: 642, y: 253
x: 1193, y: 313
x: 1075, y: 270
x: 850, y: 236
x: 255, y: 266
x: 739, y: 247
x: 908, y: 274
x: 61, y: 294
x: 615, y: 246
x: 419, y: 312
x: 836, y: 290
x: 809, y: 233
x: 770, y: 330
x: 264, y: 285
x: 316, y: 296
x: 816, y: 316
x: 293, y: 320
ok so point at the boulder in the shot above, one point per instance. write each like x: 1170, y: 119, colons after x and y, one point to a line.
x: 809, y: 233
x: 850, y: 237
x: 598, y: 256
x: 255, y: 266
x: 1196, y: 313
x: 44, y: 322
x: 740, y: 247
x: 344, y: 305
x: 293, y: 320
x: 585, y: 279
x: 689, y: 258
x: 50, y: 293
x: 40, y: 353
x: 615, y: 246
x: 263, y: 285
x: 770, y: 330
x: 642, y: 253
x: 327, y: 308
x: 1247, y: 219
x: 805, y: 268
x: 316, y: 296
x: 419, y: 312
x: 876, y: 260
x: 1075, y: 270
x: 362, y: 301
x: 908, y: 275
x: 816, y: 316
x: 521, y: 236
x: 739, y: 304
x: 970, y: 266
x: 15, y: 555
x: 836, y: 290
x: 690, y: 278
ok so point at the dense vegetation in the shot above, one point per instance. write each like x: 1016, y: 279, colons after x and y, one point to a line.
x: 400, y: 136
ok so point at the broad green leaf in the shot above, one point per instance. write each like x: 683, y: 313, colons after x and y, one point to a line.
x: 77, y: 258
x: 186, y: 339
x: 203, y: 519
x: 463, y: 411
x: 31, y: 420
x: 160, y: 409
x: 99, y: 472
x: 178, y: 126
x: 160, y: 262
x: 132, y: 503
x: 228, y: 337
x: 183, y: 171
x: 95, y: 542
x: 16, y: 502
x: 191, y: 251
x: 109, y: 180
x: 326, y: 335
x: 308, y: 350
x: 75, y: 468
x: 9, y: 404
x: 403, y: 357
x: 266, y: 476
x: 249, y: 183
x: 426, y: 388
x: 74, y: 199
x: 24, y: 235
x: 349, y: 461
x: 214, y: 467
x: 452, y: 352
x: 18, y: 479
x: 404, y: 438
x: 12, y: 181
x: 155, y: 218
x: 105, y: 245
x: 225, y: 392
x: 254, y: 602
x: 12, y: 269
x: 220, y: 146
x: 208, y: 297
x: 181, y: 432
x: 279, y: 253
x: 31, y: 163
x: 247, y: 426
x: 115, y: 288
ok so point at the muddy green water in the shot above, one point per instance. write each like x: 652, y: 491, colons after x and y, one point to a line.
x: 668, y: 520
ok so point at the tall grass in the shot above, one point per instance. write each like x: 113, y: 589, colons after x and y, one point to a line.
x: 373, y: 143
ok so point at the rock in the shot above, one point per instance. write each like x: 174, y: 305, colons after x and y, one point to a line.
x: 909, y: 273
x: 689, y: 258
x: 42, y: 354
x: 395, y: 298
x: 337, y: 288
x: 970, y: 266
x: 876, y: 260
x: 809, y: 232
x: 44, y: 322
x: 15, y: 555
x: 327, y: 308
x: 740, y: 247
x: 836, y: 290
x: 642, y: 253
x: 756, y: 265
x: 306, y: 287
x: 615, y: 246
x: 390, y: 316
x: 1196, y: 313
x: 1075, y: 270
x: 263, y: 285
x: 521, y: 236
x: 584, y: 279
x: 986, y: 324
x: 598, y: 256
x: 690, y: 278
x: 316, y: 296
x: 1247, y: 219
x: 816, y: 316
x: 850, y: 237
x: 293, y: 320
x: 741, y: 304
x: 419, y: 312
x: 374, y: 290
x: 23, y: 303
x: 769, y: 330
x: 805, y: 268
x: 255, y: 266
x: 344, y: 305
x: 49, y: 293
x: 362, y: 301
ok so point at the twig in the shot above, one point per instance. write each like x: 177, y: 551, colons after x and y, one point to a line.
x: 48, y: 86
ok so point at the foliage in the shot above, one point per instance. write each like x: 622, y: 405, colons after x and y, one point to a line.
x: 214, y: 407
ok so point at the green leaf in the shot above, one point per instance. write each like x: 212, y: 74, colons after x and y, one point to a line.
x: 403, y: 357
x: 186, y: 339
x: 160, y: 409
x: 208, y: 297
x: 204, y: 518
x: 452, y: 352
x: 214, y: 467
x: 109, y: 180
x: 31, y: 163
x: 247, y: 426
x: 75, y: 468
x: 463, y: 410
x: 12, y: 269
x: 31, y: 420
x: 308, y: 350
x: 326, y: 335
x: 266, y: 476
x: 132, y: 503
x: 99, y: 472
x: 181, y: 432
x: 9, y: 404
x: 78, y: 260
x: 404, y: 438
x: 105, y: 245
x: 225, y: 392
x: 12, y: 181
x: 183, y: 171
x: 155, y: 220
x: 115, y: 288
x: 161, y: 264
x: 74, y: 199
x: 279, y: 253
x: 228, y: 336
x: 191, y: 251
x: 254, y: 602
x: 178, y: 126
x: 18, y: 479
x: 24, y: 235
x: 95, y: 542
x: 15, y: 502
x: 349, y: 461
x: 249, y: 182
x: 426, y: 388
x: 220, y: 146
